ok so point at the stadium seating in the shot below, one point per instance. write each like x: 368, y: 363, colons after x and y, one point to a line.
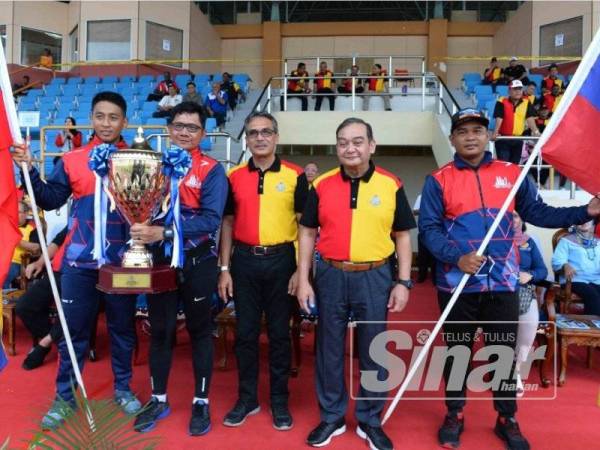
x: 470, y: 80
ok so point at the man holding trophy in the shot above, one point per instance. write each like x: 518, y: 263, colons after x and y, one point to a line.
x: 72, y: 176
x: 202, y: 194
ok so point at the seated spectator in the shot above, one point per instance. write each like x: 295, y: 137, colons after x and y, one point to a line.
x: 346, y: 87
x: 192, y: 94
x: 551, y: 99
x: 162, y: 90
x: 515, y: 71
x: 532, y: 270
x: 324, y: 86
x: 311, y: 170
x: 493, y: 74
x: 551, y: 80
x: 26, y: 81
x: 577, y: 258
x: 28, y: 245
x: 33, y: 307
x: 46, y: 60
x: 298, y: 86
x: 168, y: 102
x: 377, y: 86
x: 234, y: 92
x: 70, y: 138
x: 529, y: 94
x: 216, y: 103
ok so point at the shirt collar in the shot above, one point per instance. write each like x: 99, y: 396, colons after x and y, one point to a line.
x: 97, y: 141
x: 275, y: 167
x: 462, y: 164
x: 366, y: 176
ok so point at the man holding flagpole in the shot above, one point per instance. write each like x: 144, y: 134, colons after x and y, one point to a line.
x: 459, y: 203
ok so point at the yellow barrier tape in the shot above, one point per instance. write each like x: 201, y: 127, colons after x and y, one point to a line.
x: 507, y: 58
x: 162, y: 61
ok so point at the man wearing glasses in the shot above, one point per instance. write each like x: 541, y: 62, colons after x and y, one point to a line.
x: 266, y: 196
x: 203, y: 192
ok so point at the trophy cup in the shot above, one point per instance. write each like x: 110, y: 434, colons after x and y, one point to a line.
x: 137, y: 187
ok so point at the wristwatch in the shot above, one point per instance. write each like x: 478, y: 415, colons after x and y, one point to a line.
x: 223, y: 268
x: 168, y: 234
x: 408, y: 284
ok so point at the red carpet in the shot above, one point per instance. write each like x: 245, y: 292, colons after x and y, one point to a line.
x: 569, y: 421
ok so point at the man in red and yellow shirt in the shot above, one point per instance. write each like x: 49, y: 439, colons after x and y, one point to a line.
x: 493, y: 74
x: 324, y: 86
x: 363, y: 219
x: 297, y: 86
x: 266, y: 196
x: 377, y: 85
x: 552, y: 99
x: 551, y: 80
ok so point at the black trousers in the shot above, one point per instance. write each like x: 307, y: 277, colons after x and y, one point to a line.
x: 477, y: 308
x: 509, y: 150
x: 197, y: 282
x: 33, y: 307
x: 260, y: 284
x: 294, y: 94
x: 590, y: 293
x: 330, y: 97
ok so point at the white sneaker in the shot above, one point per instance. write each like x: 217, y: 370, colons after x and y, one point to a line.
x: 520, y: 387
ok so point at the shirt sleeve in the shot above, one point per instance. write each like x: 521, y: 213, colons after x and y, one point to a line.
x: 403, y: 216
x: 560, y: 257
x: 59, y: 239
x: 55, y: 192
x: 538, y: 268
x: 530, y: 111
x: 300, y: 193
x: 34, y: 237
x: 499, y: 110
x: 310, y: 215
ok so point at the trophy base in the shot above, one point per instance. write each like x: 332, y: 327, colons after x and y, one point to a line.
x: 128, y: 280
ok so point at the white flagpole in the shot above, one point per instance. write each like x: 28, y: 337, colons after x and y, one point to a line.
x: 586, y: 63
x: 13, y: 121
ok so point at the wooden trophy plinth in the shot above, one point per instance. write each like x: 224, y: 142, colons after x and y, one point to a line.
x: 133, y: 280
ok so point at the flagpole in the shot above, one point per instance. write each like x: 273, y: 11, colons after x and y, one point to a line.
x: 578, y: 79
x: 13, y: 121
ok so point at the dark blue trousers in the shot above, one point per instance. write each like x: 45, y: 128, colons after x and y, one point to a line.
x: 80, y: 300
x: 364, y: 295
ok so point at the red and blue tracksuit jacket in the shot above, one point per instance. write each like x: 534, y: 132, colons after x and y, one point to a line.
x: 72, y: 176
x: 458, y: 205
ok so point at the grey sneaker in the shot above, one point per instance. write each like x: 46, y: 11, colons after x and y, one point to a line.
x: 57, y: 414
x: 128, y: 402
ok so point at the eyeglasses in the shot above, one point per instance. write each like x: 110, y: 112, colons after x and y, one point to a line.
x: 190, y: 127
x: 265, y: 132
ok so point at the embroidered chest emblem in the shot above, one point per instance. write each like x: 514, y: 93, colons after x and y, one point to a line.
x: 375, y: 200
x: 502, y: 183
x: 193, y: 182
x: 280, y: 187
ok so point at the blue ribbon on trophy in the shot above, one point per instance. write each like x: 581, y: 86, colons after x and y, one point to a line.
x: 176, y: 164
x: 98, y: 163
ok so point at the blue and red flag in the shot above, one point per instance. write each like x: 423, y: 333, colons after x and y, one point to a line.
x: 570, y: 141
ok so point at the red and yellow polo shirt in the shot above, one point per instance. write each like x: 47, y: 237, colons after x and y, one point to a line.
x: 325, y: 82
x: 357, y: 216
x: 550, y: 82
x: 513, y: 115
x: 494, y: 74
x: 264, y: 204
x: 377, y: 84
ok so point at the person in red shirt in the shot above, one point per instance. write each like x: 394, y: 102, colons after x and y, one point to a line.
x: 551, y: 80
x: 162, y: 89
x: 298, y: 86
x: 70, y: 138
x: 552, y: 99
x: 346, y: 87
x: 325, y: 86
x: 377, y: 86
x: 493, y: 74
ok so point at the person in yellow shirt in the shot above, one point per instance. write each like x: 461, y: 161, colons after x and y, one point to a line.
x: 46, y: 59
x: 27, y: 245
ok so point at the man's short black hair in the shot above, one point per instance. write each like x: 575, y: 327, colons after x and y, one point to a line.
x: 532, y: 83
x: 553, y: 66
x: 189, y: 108
x: 352, y: 120
x: 301, y: 64
x: 494, y: 59
x: 191, y: 83
x: 265, y: 115
x: 112, y: 97
x: 378, y: 66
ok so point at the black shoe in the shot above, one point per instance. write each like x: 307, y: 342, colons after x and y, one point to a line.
x: 35, y: 357
x: 374, y: 436
x: 151, y: 413
x: 239, y: 413
x: 507, y: 429
x: 282, y: 419
x: 321, y: 436
x: 200, y: 421
x: 449, y: 432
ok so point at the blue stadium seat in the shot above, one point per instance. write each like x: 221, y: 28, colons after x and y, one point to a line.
x: 489, y: 107
x: 71, y: 89
x: 68, y: 98
x: 471, y: 79
x: 50, y: 138
x: 53, y: 90
x: 58, y: 81
x: 85, y: 106
x: 482, y: 90
x: 149, y: 106
x: 483, y: 99
x: 537, y: 79
x: 211, y: 124
x: 105, y: 87
x: 146, y: 79
x: 206, y: 144
x: 88, y: 89
x: 569, y: 78
x: 64, y: 109
x: 129, y: 134
x: 156, y: 121
x: 128, y: 91
x: 91, y: 80
x: 27, y: 105
x: 502, y: 91
x: 74, y: 81
x: 241, y: 78
x: 109, y: 79
x: 127, y: 79
x: 182, y: 80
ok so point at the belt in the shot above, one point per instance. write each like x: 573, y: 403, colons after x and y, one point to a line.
x: 263, y: 250
x: 349, y: 266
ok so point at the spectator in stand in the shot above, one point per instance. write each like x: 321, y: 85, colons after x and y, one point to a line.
x: 551, y: 80
x: 26, y: 81
x: 46, y: 60
x: 168, y: 102
x: 529, y: 94
x: 516, y: 71
x: 234, y: 92
x: 377, y: 86
x: 192, y: 94
x: 346, y: 87
x: 540, y: 122
x: 216, y: 103
x: 33, y: 307
x: 512, y: 113
x: 28, y: 245
x: 298, y: 87
x: 162, y: 89
x: 552, y: 99
x: 493, y: 74
x: 70, y: 138
x: 311, y: 170
x: 577, y: 258
x: 324, y: 86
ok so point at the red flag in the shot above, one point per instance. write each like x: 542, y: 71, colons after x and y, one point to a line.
x: 9, y: 211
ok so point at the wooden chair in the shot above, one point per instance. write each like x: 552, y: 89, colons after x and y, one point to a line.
x: 9, y: 311
x: 565, y: 297
x: 546, y: 335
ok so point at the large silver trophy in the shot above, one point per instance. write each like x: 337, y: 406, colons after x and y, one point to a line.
x: 137, y: 187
